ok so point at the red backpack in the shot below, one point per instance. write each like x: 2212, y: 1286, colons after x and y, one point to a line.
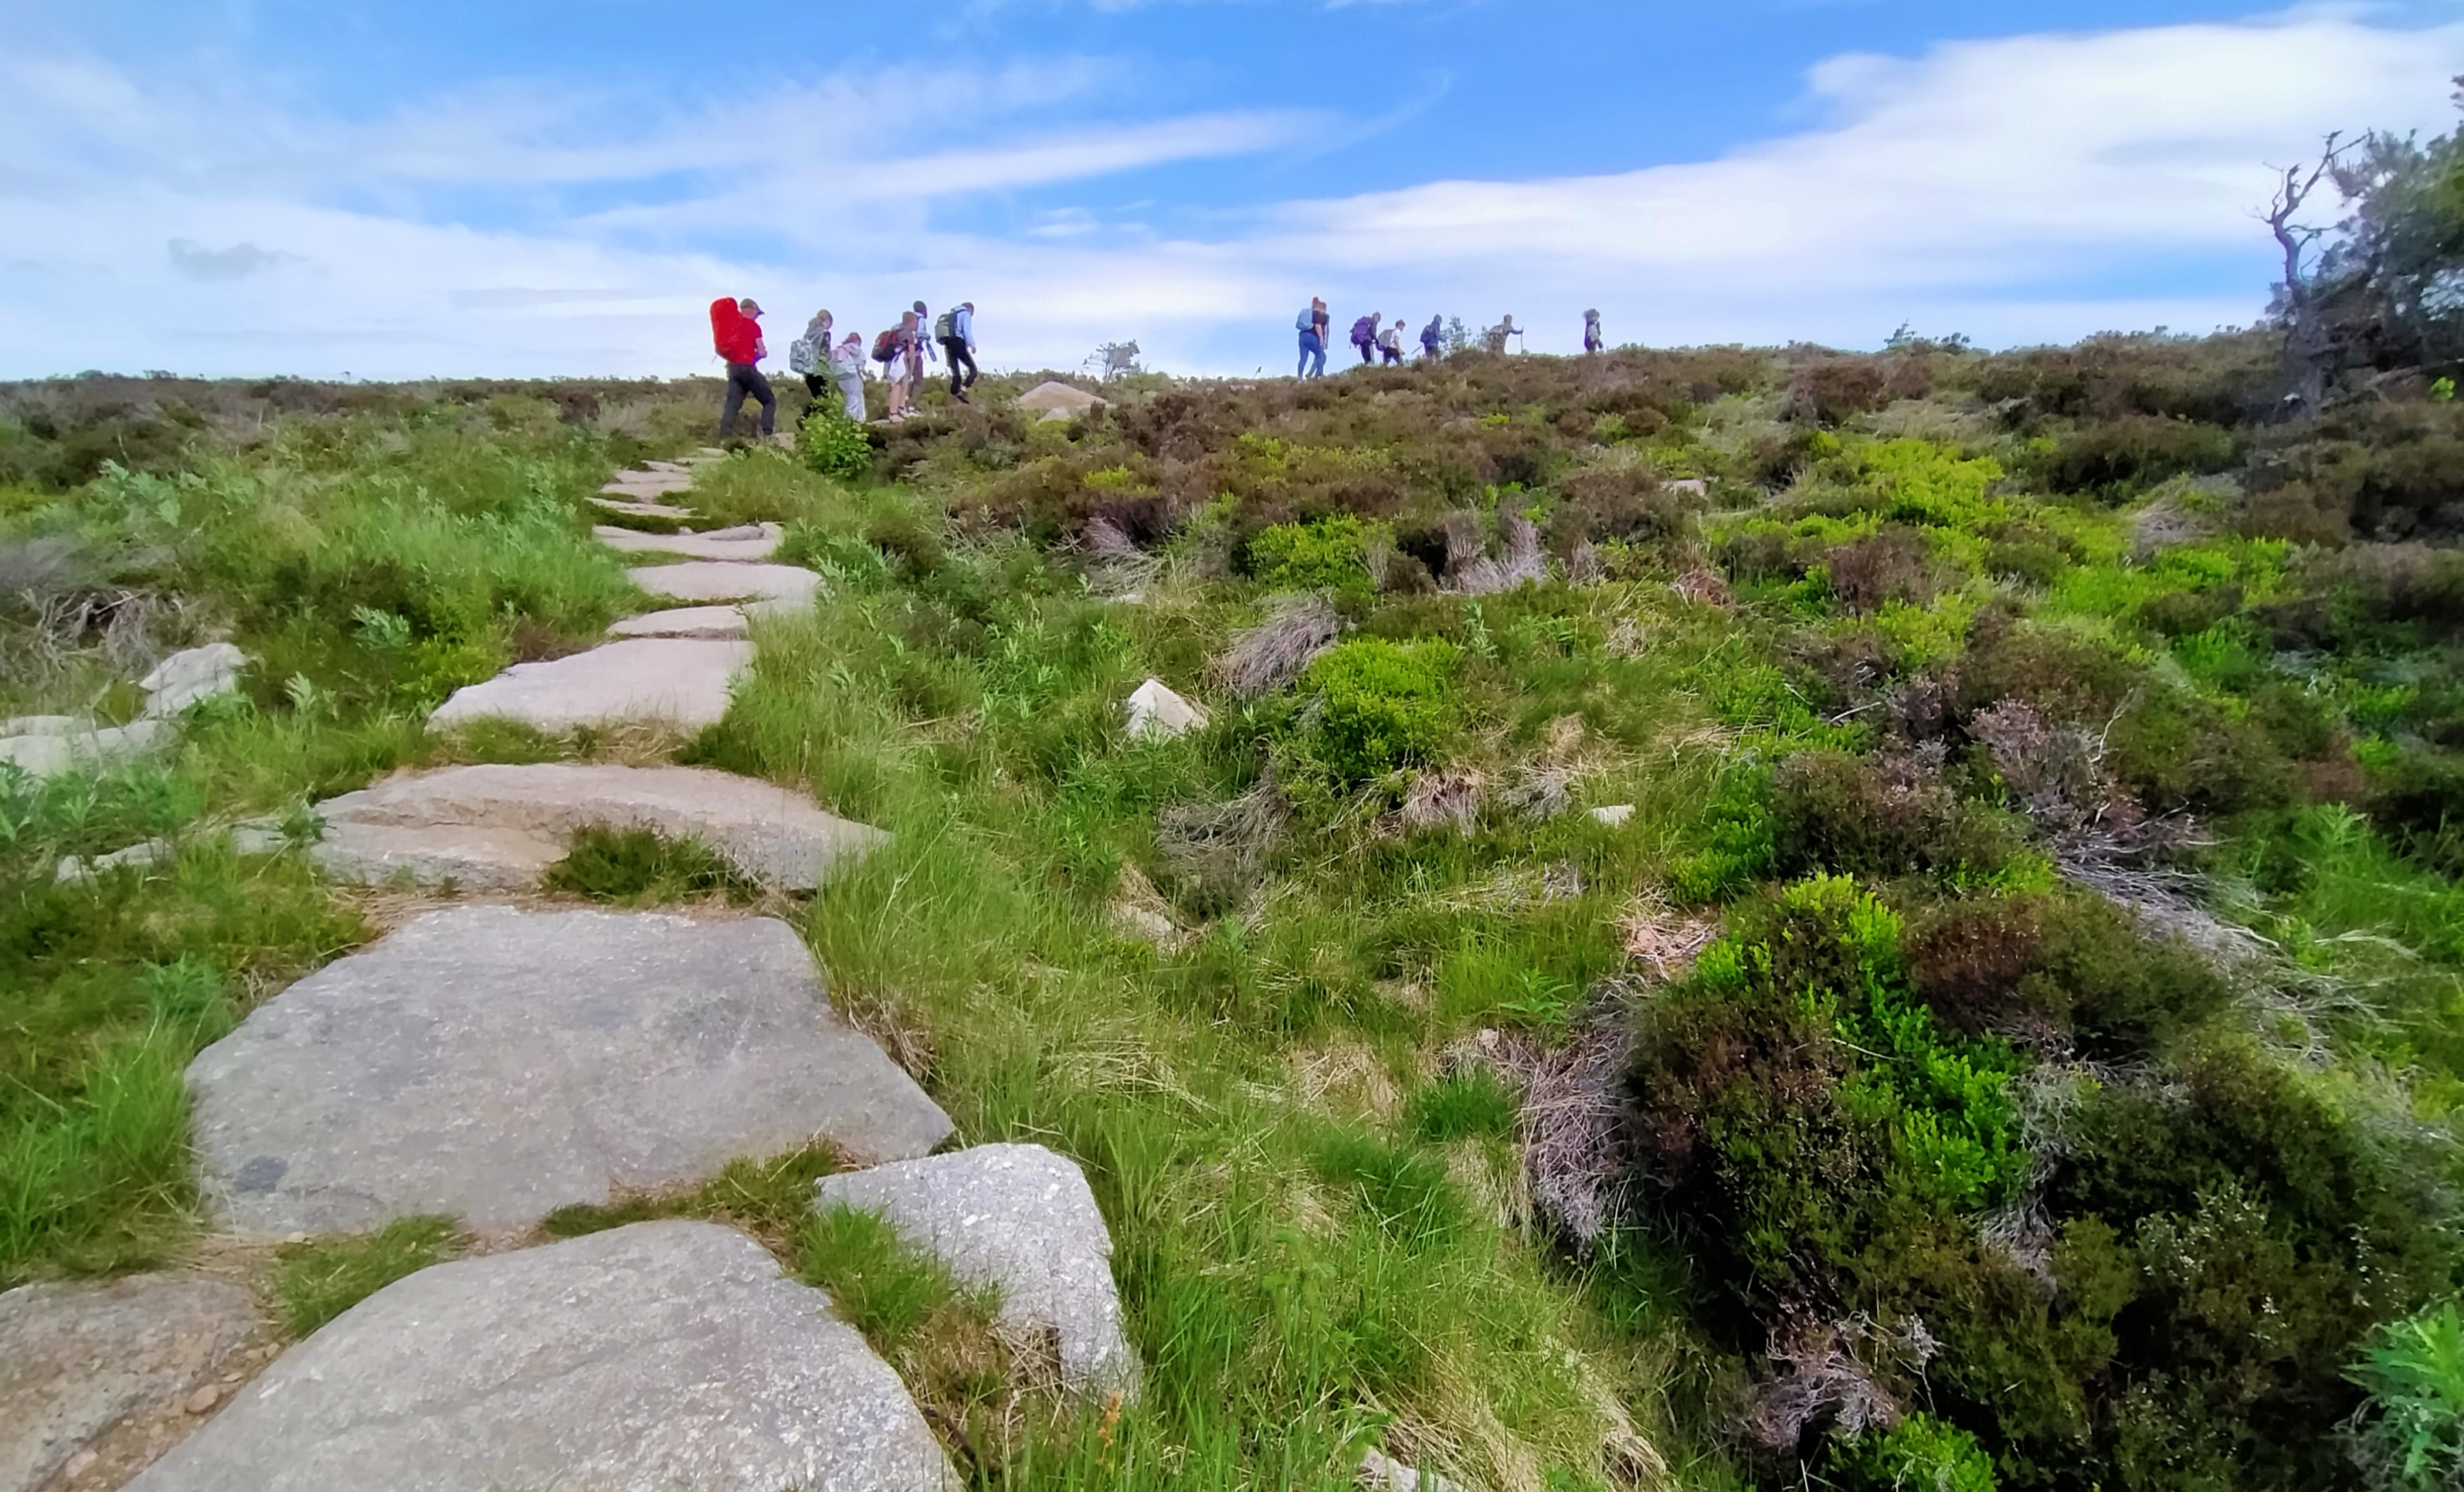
x: 725, y: 320
x: 887, y: 346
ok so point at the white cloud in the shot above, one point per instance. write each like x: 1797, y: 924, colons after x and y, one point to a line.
x: 2018, y: 189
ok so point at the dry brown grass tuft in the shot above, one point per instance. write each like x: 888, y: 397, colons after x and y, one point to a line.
x: 1271, y: 655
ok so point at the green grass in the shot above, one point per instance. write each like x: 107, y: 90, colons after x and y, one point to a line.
x: 637, y: 868
x: 767, y: 1197
x: 318, y: 1281
x: 880, y: 1284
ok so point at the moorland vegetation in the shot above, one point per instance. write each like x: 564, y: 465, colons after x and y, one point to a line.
x: 2008, y: 1031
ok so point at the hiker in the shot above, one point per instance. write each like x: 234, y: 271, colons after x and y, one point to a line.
x: 1494, y: 339
x: 810, y: 356
x: 1433, y: 336
x: 919, y: 351
x: 955, y: 332
x: 847, y: 365
x: 1391, y: 342
x: 1594, y: 338
x: 890, y: 350
x: 1312, y: 324
x: 1364, y: 336
x: 736, y: 333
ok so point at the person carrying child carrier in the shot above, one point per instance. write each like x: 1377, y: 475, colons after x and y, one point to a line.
x: 955, y: 332
x: 1311, y: 323
x: 736, y: 335
x: 1364, y: 336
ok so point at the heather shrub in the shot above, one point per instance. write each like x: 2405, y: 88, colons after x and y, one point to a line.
x: 1330, y: 554
x: 1380, y: 706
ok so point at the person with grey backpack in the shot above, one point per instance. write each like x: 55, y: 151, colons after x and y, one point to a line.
x: 955, y: 332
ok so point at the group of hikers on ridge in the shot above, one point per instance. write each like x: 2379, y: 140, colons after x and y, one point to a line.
x: 902, y: 351
x: 1374, y: 340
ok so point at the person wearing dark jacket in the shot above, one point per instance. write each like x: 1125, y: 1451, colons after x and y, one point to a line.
x: 736, y: 334
x: 958, y: 339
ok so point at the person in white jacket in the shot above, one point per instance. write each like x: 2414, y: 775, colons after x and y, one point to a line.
x: 847, y: 365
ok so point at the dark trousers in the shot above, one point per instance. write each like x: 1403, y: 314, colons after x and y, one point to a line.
x: 1394, y: 354
x: 954, y: 352
x: 742, y: 379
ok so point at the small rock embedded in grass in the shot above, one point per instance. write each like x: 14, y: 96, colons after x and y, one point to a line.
x: 318, y: 1282
x: 1613, y: 816
x: 1020, y: 1219
x: 1155, y: 714
x: 1381, y: 1473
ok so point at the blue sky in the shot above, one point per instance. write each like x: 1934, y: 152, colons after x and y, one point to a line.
x: 514, y: 189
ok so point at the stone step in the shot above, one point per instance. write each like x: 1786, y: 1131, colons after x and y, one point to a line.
x: 658, y: 1356
x: 642, y: 510
x: 78, y: 745
x: 689, y: 622
x: 495, y: 1064
x: 753, y: 543
x: 515, y: 814
x: 709, y: 580
x: 94, y: 1377
x: 672, y: 681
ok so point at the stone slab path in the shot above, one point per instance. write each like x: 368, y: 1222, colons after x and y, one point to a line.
x: 493, y: 1064
x: 652, y: 1358
x: 771, y: 835
x: 1022, y: 1219
x: 679, y: 682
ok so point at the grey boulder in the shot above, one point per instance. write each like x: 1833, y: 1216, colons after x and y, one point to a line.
x: 1021, y: 1219
x: 498, y: 826
x: 185, y: 678
x: 53, y: 751
x: 672, y: 681
x: 1053, y: 400
x: 659, y: 1357
x: 495, y: 1064
x: 78, y: 1360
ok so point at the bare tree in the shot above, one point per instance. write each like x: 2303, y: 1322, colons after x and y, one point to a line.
x: 2307, y: 346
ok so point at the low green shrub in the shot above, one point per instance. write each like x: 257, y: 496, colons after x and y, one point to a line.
x: 1330, y: 554
x: 1380, y: 706
x: 1920, y: 1454
x: 835, y: 446
x: 2410, y: 1434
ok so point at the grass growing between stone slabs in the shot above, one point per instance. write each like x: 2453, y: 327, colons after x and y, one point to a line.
x: 768, y: 1199
x: 640, y: 867
x: 320, y: 1280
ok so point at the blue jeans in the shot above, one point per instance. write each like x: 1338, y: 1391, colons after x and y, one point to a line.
x: 1313, y: 350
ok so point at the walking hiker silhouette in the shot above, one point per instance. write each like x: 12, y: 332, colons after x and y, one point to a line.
x: 1364, y: 336
x: 955, y: 332
x: 1312, y: 324
x: 809, y: 355
x: 1594, y: 338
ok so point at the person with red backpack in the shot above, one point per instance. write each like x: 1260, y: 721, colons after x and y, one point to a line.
x: 736, y: 335
x: 1364, y: 336
x: 891, y: 349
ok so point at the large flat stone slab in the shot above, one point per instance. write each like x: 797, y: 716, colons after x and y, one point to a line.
x: 770, y: 834
x: 686, y: 621
x: 188, y: 677
x: 661, y: 1357
x: 759, y: 545
x: 495, y: 1064
x: 705, y: 581
x: 641, y: 510
x: 1022, y: 1219
x: 78, y: 1360
x: 681, y: 682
